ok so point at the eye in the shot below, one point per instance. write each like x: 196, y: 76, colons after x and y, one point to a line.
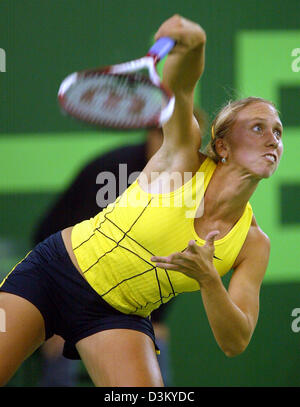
x: 257, y: 128
x: 277, y: 133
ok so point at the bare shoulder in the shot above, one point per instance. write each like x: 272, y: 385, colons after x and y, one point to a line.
x: 180, y: 160
x: 162, y: 163
x: 256, y: 234
x: 256, y: 245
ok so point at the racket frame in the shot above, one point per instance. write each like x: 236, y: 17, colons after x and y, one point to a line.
x: 125, y: 69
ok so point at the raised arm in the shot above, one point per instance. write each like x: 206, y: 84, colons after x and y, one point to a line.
x: 182, y: 69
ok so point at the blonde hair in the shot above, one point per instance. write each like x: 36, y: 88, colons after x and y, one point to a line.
x: 225, y: 119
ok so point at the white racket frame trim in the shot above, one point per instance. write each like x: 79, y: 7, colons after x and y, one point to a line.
x: 126, y: 68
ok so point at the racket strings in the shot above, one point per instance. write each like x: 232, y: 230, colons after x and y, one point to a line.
x: 117, y: 100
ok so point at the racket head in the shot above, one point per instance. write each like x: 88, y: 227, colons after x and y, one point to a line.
x: 112, y: 100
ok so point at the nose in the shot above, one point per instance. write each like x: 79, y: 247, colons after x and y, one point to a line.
x: 272, y: 140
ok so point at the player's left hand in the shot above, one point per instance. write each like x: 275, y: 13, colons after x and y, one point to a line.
x: 195, y: 261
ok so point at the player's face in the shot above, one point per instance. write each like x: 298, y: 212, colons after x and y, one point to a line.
x: 255, y: 141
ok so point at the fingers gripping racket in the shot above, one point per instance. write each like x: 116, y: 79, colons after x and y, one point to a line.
x: 121, y: 96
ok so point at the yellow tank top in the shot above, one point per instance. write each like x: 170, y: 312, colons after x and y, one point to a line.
x: 114, y: 248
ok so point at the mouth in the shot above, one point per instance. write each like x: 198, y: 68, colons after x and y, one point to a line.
x: 271, y: 157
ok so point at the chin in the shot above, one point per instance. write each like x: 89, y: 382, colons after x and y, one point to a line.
x: 267, y: 173
x: 263, y: 173
x: 266, y: 176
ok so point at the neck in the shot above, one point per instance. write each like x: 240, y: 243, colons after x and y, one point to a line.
x: 228, y: 192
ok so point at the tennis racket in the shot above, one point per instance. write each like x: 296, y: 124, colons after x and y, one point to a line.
x: 121, y: 96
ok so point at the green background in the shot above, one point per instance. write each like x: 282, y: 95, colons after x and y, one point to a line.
x: 249, y: 51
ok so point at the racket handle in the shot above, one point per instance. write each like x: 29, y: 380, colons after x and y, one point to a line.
x: 161, y: 48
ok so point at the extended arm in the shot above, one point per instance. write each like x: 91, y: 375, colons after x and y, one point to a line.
x: 232, y: 314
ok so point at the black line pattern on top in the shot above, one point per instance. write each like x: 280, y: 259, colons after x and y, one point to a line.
x: 118, y: 245
x: 118, y: 242
x: 155, y: 302
x: 136, y: 275
x: 93, y: 234
x: 126, y: 279
x: 171, y: 285
x: 218, y: 258
x: 159, y: 287
x: 139, y: 244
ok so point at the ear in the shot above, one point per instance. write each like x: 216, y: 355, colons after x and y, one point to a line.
x: 222, y: 147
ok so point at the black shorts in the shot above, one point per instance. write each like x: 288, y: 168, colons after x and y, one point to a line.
x: 70, y: 307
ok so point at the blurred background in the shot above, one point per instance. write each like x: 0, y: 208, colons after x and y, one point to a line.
x: 253, y: 49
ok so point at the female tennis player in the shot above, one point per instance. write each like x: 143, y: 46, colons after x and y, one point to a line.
x: 96, y: 283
